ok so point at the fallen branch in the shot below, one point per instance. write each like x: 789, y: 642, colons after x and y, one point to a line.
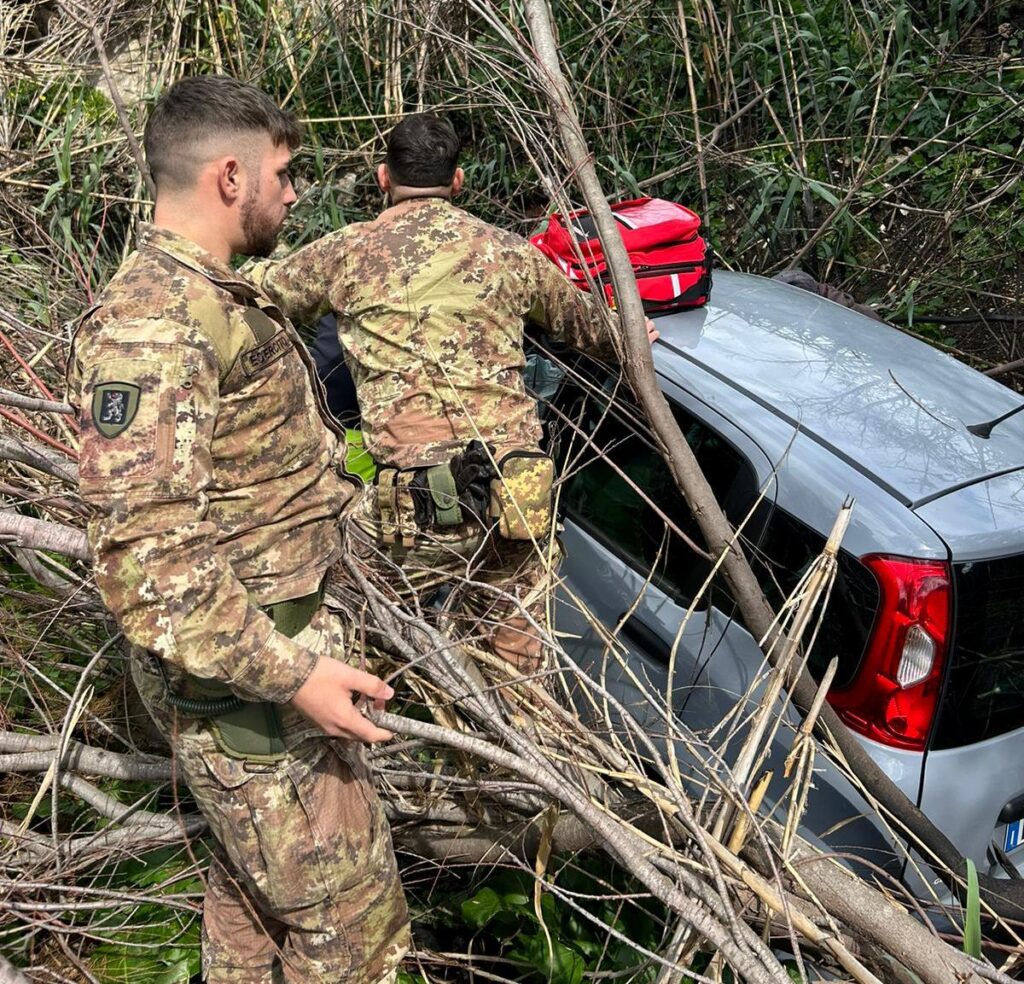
x: 10, y: 399
x: 754, y: 966
x: 104, y: 846
x: 852, y: 901
x: 12, y: 449
x: 39, y: 534
x: 32, y: 753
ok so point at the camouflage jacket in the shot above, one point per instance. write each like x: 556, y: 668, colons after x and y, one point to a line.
x: 431, y: 304
x: 204, y: 450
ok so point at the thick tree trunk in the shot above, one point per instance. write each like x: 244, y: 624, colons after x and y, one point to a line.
x: 854, y: 903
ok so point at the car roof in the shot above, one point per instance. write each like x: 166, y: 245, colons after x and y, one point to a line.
x: 892, y: 406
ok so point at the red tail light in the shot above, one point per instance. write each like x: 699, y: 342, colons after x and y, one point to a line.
x: 896, y: 691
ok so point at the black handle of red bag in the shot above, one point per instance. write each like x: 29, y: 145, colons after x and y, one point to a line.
x: 693, y: 293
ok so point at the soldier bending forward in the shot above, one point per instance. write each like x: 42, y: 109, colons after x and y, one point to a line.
x: 431, y: 304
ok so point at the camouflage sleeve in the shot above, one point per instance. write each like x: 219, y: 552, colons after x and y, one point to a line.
x: 567, y: 313
x: 147, y: 412
x: 299, y: 283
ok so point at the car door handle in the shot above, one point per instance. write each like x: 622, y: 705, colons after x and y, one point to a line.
x: 1013, y: 810
x: 644, y: 637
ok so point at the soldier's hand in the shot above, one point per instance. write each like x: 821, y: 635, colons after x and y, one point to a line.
x: 329, y: 699
x: 652, y: 333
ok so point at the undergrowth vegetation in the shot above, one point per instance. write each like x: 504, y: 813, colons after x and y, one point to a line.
x: 875, y: 144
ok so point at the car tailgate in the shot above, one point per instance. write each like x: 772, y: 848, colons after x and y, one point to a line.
x: 973, y: 783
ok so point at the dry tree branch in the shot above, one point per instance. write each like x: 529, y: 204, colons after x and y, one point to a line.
x: 9, y: 399
x: 13, y: 449
x: 88, y: 19
x: 38, y: 534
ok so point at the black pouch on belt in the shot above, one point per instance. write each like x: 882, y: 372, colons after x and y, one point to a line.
x: 456, y: 492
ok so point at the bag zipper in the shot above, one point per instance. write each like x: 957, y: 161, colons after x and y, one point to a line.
x: 670, y: 268
x: 647, y: 269
x: 519, y: 453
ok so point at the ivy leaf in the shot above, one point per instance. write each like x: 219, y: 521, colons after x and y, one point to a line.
x: 515, y: 900
x: 119, y: 967
x: 563, y: 966
x: 481, y: 908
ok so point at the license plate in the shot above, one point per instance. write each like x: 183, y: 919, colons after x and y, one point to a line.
x: 1014, y: 836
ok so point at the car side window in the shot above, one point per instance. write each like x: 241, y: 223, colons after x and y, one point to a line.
x: 618, y: 488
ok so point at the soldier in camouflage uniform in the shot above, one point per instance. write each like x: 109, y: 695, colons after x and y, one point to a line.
x: 431, y: 304
x: 214, y: 479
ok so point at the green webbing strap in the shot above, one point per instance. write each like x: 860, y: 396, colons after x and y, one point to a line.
x: 447, y: 511
x: 249, y: 730
x: 358, y: 460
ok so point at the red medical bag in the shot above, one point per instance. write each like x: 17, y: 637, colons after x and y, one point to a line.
x: 670, y: 258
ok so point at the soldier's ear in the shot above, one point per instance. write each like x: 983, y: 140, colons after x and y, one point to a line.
x: 457, y: 181
x: 383, y: 178
x: 229, y: 178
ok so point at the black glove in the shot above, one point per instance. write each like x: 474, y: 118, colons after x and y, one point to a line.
x: 423, y: 504
x: 473, y: 471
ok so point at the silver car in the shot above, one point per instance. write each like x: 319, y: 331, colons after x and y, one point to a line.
x: 780, y: 390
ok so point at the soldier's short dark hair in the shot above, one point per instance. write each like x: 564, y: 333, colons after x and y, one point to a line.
x: 423, y: 152
x: 196, y: 111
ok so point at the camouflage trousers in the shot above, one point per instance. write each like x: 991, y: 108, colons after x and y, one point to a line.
x: 500, y: 588
x: 304, y: 885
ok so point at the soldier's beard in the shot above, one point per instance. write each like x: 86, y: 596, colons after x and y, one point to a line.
x: 259, y: 229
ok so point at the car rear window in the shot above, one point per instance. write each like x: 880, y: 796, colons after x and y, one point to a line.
x: 605, y: 455
x: 984, y: 695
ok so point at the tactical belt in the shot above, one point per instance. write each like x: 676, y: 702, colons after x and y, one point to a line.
x: 516, y: 500
x: 247, y: 729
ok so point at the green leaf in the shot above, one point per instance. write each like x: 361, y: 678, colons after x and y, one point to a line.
x: 822, y: 192
x: 404, y: 977
x: 782, y: 215
x: 563, y: 966
x: 117, y: 966
x: 481, y: 908
x: 972, y: 924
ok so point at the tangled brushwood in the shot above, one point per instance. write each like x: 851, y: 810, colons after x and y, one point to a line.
x: 545, y: 831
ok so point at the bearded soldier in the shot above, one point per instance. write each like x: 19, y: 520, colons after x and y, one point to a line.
x: 431, y: 304
x: 214, y: 480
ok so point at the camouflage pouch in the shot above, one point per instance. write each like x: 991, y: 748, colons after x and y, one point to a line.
x: 521, y: 496
x: 396, y: 509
